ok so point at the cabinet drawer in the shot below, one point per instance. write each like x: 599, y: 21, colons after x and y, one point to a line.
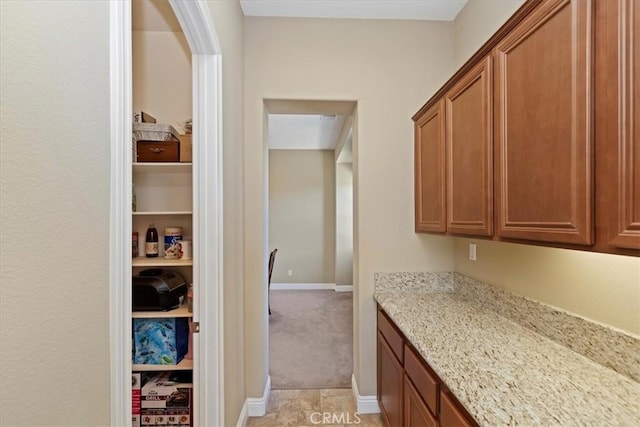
x: 391, y: 335
x: 158, y: 151
x: 425, y: 383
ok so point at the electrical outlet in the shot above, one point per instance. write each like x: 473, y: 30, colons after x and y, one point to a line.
x: 472, y: 251
x: 290, y: 273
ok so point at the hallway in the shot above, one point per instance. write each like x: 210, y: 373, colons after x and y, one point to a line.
x: 327, y: 407
x: 311, y: 339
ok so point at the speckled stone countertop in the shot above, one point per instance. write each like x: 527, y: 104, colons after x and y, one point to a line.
x: 502, y: 372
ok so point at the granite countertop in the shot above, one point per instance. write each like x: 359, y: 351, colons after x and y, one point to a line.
x: 504, y: 373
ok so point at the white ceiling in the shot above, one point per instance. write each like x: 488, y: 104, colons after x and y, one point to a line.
x: 304, y: 131
x: 434, y: 10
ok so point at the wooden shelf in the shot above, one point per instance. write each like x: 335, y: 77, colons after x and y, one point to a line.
x: 160, y: 262
x: 181, y: 311
x: 163, y: 213
x: 162, y: 167
x: 184, y: 365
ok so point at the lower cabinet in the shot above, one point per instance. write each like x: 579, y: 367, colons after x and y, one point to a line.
x: 409, y: 392
x: 390, y: 384
x: 416, y: 412
x: 450, y: 415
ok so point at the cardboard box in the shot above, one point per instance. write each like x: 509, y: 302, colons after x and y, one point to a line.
x: 166, y: 401
x: 160, y: 341
x: 166, y: 417
x: 162, y: 391
x: 136, y: 385
x: 185, y: 148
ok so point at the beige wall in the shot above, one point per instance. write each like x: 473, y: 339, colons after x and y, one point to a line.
x: 604, y: 288
x: 229, y: 20
x: 302, y: 222
x: 477, y: 21
x: 162, y: 75
x: 390, y: 68
x: 54, y: 186
x: 344, y: 224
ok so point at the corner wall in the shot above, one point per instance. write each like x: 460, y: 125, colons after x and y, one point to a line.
x: 600, y: 287
x: 229, y: 21
x: 54, y: 204
x: 390, y: 68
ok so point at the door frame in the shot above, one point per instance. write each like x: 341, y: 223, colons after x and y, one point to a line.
x: 197, y: 24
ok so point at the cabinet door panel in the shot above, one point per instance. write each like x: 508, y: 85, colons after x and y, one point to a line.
x: 390, y: 384
x: 469, y: 139
x: 627, y: 223
x: 450, y: 415
x: 544, y: 125
x: 416, y: 413
x: 429, y: 171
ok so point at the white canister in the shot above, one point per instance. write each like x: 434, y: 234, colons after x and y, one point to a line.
x: 172, y: 235
x: 185, y: 249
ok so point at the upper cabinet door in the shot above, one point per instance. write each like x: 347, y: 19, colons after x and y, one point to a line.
x: 469, y: 140
x: 626, y: 224
x: 543, y: 125
x: 430, y: 170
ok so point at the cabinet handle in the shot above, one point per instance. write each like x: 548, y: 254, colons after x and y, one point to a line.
x: 156, y: 150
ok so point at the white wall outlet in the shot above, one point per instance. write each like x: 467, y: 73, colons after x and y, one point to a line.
x: 472, y: 251
x: 289, y: 273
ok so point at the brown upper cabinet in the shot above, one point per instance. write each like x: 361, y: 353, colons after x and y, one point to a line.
x: 429, y: 170
x: 618, y: 125
x: 543, y: 128
x: 542, y: 131
x: 469, y: 151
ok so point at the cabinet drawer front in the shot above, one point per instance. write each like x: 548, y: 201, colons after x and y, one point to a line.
x: 391, y: 335
x: 425, y: 383
x: 158, y: 151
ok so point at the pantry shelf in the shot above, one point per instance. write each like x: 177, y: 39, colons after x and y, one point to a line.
x: 167, y: 167
x: 184, y: 365
x: 154, y: 213
x: 182, y: 311
x: 160, y: 262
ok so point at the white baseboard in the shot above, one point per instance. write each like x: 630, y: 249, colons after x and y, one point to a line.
x: 243, y: 418
x: 310, y: 287
x: 255, y: 406
x: 364, y: 404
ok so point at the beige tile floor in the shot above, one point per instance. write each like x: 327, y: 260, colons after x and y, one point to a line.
x: 308, y: 408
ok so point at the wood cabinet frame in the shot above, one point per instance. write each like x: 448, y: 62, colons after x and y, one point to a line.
x: 567, y: 221
x: 469, y: 180
x: 600, y: 208
x: 430, y: 171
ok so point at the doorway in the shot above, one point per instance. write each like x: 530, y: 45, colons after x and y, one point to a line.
x: 310, y: 222
x: 195, y: 21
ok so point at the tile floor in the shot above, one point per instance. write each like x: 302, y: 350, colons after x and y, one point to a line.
x: 308, y: 408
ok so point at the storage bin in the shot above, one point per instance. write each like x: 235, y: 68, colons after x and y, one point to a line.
x: 155, y: 143
x: 160, y: 341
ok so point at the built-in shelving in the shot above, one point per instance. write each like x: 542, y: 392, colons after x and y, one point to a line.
x: 164, y: 167
x: 157, y: 213
x: 160, y: 262
x: 182, y: 311
x: 184, y: 365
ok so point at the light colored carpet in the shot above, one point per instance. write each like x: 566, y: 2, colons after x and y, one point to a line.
x: 311, y: 339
